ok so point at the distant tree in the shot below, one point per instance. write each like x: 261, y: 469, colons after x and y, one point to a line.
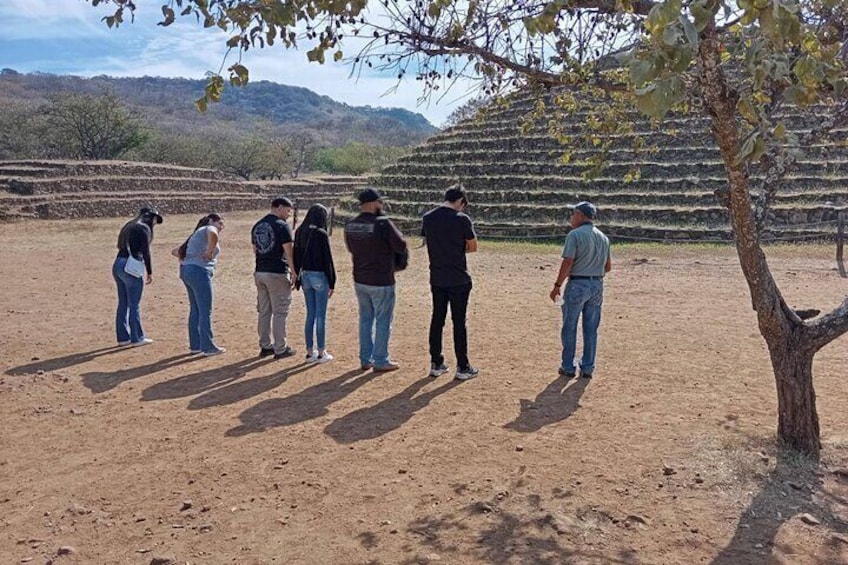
x: 355, y: 158
x: 241, y: 156
x: 95, y: 126
x: 187, y: 150
x: 303, y: 147
x: 24, y: 132
x: 278, y: 158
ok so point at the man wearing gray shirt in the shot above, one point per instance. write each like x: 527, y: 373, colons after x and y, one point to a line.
x: 585, y: 261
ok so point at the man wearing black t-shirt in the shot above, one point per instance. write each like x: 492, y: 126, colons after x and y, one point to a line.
x: 449, y: 234
x: 272, y: 244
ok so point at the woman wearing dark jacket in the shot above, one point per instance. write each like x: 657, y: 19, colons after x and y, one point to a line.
x: 134, y: 239
x: 313, y: 263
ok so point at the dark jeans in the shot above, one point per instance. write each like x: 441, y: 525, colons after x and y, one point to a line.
x: 457, y: 298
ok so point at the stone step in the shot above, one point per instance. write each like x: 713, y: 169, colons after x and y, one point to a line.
x: 48, y: 168
x: 821, y: 153
x: 711, y: 216
x: 600, y: 185
x: 163, y: 184
x: 646, y: 169
x: 645, y: 199
x: 617, y: 232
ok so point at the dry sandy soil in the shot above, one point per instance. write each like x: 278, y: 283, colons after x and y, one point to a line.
x: 666, y: 456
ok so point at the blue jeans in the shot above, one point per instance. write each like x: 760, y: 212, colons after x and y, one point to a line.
x: 128, y: 317
x: 582, y: 296
x: 376, y: 308
x: 198, y: 283
x: 316, y: 291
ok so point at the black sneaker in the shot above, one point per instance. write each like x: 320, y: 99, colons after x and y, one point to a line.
x: 585, y: 375
x: 438, y: 369
x: 563, y: 373
x: 263, y: 352
x: 466, y: 373
x: 287, y: 352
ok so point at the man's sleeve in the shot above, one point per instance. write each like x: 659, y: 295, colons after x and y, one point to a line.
x: 286, y: 234
x: 468, y: 228
x: 569, y: 250
x: 396, y: 241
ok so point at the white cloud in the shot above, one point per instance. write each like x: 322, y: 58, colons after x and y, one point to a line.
x: 53, y: 19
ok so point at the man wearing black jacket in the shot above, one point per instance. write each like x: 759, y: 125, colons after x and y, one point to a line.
x: 374, y: 241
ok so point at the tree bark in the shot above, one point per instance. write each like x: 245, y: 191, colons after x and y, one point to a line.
x: 798, y: 421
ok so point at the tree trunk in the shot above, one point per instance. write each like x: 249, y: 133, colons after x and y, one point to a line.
x: 798, y: 421
x: 790, y: 343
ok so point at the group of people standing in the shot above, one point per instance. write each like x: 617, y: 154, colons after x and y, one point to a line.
x: 303, y: 260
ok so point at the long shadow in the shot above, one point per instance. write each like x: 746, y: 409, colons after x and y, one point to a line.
x: 373, y: 421
x: 557, y: 402
x: 63, y: 362
x: 242, y: 390
x: 786, y: 492
x: 312, y: 402
x: 100, y: 381
x: 197, y: 383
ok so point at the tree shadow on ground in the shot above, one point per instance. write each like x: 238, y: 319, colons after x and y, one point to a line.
x: 310, y: 403
x: 504, y: 532
x: 202, y: 381
x: 790, y: 489
x: 556, y: 403
x: 373, y: 421
x: 63, y: 362
x: 99, y: 382
x: 244, y: 389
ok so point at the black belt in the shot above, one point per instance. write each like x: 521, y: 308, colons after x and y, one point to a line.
x: 583, y: 277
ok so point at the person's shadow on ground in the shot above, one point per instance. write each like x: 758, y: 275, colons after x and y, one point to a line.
x: 65, y: 362
x: 202, y: 381
x: 390, y: 414
x: 100, y: 381
x: 244, y: 389
x: 556, y: 403
x: 312, y: 402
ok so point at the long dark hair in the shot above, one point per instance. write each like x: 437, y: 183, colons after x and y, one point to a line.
x: 317, y: 217
x: 202, y: 223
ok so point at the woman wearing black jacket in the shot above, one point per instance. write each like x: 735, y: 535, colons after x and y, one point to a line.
x: 134, y: 239
x: 313, y: 263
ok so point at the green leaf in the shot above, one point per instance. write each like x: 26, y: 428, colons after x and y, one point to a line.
x: 201, y: 104
x: 746, y: 110
x: 338, y: 56
x: 316, y: 55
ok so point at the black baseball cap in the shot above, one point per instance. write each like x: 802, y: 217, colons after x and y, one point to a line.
x: 369, y: 195
x: 586, y: 208
x: 281, y: 201
x: 152, y: 213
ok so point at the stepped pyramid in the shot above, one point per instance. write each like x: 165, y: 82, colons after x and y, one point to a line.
x: 519, y: 188
x: 90, y: 189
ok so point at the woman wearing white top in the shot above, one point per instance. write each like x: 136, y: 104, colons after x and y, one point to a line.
x: 199, y: 256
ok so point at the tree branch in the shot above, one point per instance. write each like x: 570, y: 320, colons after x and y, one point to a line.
x: 829, y: 327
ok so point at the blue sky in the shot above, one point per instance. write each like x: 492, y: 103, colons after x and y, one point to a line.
x: 67, y: 37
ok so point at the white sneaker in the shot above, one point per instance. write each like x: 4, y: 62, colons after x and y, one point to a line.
x: 325, y: 358
x: 216, y: 351
x: 312, y: 357
x: 438, y: 370
x: 144, y: 341
x: 124, y: 343
x: 466, y: 374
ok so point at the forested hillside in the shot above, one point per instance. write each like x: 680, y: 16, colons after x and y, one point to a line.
x: 263, y: 121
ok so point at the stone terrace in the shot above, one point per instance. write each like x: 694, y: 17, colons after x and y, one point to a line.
x: 519, y: 187
x: 72, y: 189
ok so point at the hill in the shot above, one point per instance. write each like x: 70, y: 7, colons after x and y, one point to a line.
x: 169, y: 103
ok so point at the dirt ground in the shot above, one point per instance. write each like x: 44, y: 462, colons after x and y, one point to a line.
x: 667, y: 456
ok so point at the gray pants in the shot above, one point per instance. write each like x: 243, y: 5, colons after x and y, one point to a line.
x: 273, y: 299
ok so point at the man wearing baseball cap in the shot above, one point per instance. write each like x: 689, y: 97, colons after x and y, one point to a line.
x: 374, y: 242
x: 585, y: 261
x: 272, y: 244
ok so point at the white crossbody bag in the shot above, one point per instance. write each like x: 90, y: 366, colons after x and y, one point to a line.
x: 134, y: 267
